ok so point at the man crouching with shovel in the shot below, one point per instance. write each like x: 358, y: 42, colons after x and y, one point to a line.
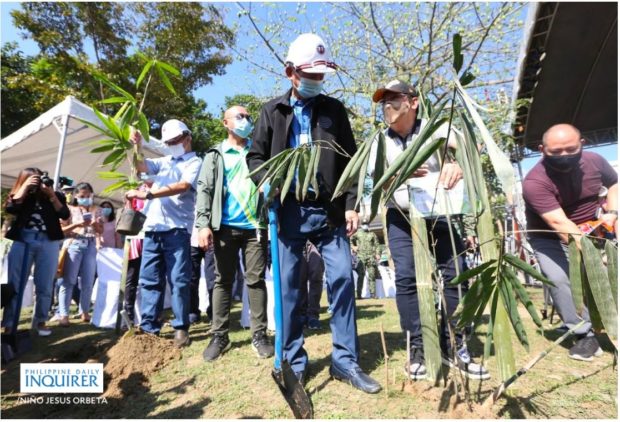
x: 304, y: 115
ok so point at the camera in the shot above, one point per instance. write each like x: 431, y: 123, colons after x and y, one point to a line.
x: 46, y: 180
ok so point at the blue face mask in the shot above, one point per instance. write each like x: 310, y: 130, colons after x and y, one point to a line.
x: 106, y: 212
x: 85, y: 202
x: 243, y: 128
x: 309, y: 88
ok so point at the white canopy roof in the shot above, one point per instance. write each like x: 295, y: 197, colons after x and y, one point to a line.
x: 40, y: 144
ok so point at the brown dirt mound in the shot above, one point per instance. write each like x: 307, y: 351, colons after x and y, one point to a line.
x: 132, y: 360
x: 448, y: 406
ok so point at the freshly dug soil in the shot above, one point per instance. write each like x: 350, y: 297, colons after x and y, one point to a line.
x: 132, y: 360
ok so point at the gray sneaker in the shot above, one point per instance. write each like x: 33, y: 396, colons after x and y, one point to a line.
x: 466, y: 365
x: 218, y: 345
x: 417, y: 367
x: 262, y: 345
x: 585, y: 349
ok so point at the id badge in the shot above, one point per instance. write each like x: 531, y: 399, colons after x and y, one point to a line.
x: 304, y: 139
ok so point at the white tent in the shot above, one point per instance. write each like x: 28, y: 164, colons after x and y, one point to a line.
x: 59, y: 143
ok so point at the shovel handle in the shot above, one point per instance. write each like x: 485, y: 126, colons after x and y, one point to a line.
x: 275, y: 273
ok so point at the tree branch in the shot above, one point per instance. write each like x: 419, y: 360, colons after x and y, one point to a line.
x: 260, y: 34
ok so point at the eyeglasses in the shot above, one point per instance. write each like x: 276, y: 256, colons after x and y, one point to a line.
x: 242, y: 116
x: 395, y: 102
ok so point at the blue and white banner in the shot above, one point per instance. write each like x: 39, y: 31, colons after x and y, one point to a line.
x: 61, y: 377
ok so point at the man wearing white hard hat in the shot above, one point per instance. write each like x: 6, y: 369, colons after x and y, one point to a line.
x: 169, y: 210
x: 304, y: 115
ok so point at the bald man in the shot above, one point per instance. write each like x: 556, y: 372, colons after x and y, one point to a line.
x: 227, y: 217
x: 561, y: 192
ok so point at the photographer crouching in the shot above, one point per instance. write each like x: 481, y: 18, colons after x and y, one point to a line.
x: 36, y: 235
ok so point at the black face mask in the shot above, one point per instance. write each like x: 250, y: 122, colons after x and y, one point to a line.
x: 563, y: 163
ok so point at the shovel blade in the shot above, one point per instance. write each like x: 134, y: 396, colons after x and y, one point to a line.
x: 293, y: 392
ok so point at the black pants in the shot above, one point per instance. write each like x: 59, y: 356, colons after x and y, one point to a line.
x: 401, y: 248
x: 197, y: 255
x: 131, y: 287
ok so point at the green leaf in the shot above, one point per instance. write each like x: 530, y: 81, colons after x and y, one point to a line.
x: 527, y: 268
x: 522, y: 294
x: 314, y: 181
x: 102, y: 149
x: 113, y: 100
x: 379, y: 169
x: 456, y: 50
x: 471, y: 273
x: 362, y: 178
x: 145, y: 71
x: 165, y: 80
x: 114, y: 187
x: 304, y: 161
x: 600, y: 287
x: 292, y: 167
x: 101, y: 77
x: 510, y: 304
x: 476, y: 297
x: 466, y: 78
x: 111, y: 125
x: 489, y: 338
x: 574, y: 271
x: 143, y: 126
x: 611, y: 251
x: 352, y: 170
x: 310, y: 169
x: 107, y: 175
x: 168, y: 68
x: 113, y: 156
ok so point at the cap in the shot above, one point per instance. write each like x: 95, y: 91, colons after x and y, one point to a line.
x: 173, y: 128
x: 308, y: 53
x: 394, y: 86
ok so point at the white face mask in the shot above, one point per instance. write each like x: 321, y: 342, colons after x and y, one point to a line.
x: 176, y: 150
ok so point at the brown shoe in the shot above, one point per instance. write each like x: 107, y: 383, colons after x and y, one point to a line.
x: 181, y: 338
x: 64, y: 321
x: 85, y: 317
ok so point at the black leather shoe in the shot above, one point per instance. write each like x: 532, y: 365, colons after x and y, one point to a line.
x: 357, y: 378
x: 181, y: 338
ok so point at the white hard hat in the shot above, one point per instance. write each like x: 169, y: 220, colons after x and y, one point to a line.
x: 173, y: 128
x: 308, y: 53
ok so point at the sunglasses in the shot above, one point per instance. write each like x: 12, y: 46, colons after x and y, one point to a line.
x: 242, y: 116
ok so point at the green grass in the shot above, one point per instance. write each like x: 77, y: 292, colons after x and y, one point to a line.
x: 239, y: 385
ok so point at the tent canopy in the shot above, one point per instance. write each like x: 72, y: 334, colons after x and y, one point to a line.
x: 38, y: 144
x: 568, y: 68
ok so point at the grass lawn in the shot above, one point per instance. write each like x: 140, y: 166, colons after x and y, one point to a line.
x: 239, y: 385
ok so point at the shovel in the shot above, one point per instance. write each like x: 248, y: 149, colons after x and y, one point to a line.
x: 283, y: 374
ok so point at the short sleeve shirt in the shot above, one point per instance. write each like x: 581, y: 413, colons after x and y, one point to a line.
x: 176, y: 211
x: 576, y: 192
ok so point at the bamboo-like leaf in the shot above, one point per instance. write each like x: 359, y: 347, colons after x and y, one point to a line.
x: 290, y: 175
x: 351, y: 171
x: 115, y: 186
x: 588, y: 298
x: 168, y: 68
x: 362, y: 180
x: 468, y: 157
x: 270, y: 162
x: 101, y: 77
x: 315, y: 171
x: 310, y: 169
x: 600, y: 288
x: 489, y: 339
x: 304, y: 160
x: 522, y: 294
x: 103, y: 148
x: 145, y: 71
x: 107, y: 175
x: 165, y: 80
x: 501, y: 163
x: 456, y: 50
x: 419, y: 159
x: 466, y: 78
x: 277, y: 167
x: 510, y: 304
x: 127, y: 117
x: 472, y: 272
x: 113, y: 100
x: 574, y: 271
x: 113, y: 156
x: 527, y: 268
x: 611, y: 252
x: 379, y: 169
x: 112, y: 127
x: 488, y: 274
x: 476, y: 297
x: 143, y: 126
x: 121, y: 111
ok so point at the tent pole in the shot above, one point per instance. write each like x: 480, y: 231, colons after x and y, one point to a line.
x: 61, y: 150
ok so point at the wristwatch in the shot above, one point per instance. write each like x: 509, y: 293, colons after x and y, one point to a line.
x: 149, y: 195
